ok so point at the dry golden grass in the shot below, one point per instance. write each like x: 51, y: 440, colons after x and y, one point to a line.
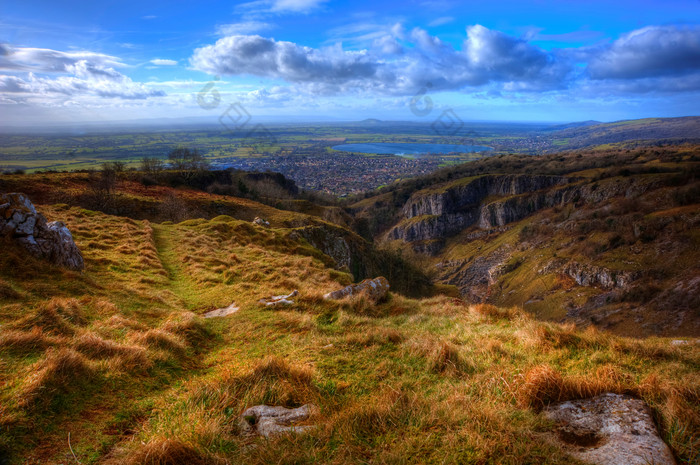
x: 62, y: 371
x: 188, y: 326
x: 442, y: 357
x: 130, y: 358
x: 426, y: 381
x: 543, y: 385
x: 161, y: 340
x: 168, y: 452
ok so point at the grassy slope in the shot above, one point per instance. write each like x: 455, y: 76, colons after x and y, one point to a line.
x: 119, y: 358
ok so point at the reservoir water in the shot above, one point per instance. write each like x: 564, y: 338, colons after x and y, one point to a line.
x: 410, y: 150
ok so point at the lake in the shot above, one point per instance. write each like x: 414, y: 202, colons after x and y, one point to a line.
x: 410, y: 150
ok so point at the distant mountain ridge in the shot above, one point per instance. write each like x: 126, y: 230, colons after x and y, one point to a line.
x: 654, y: 131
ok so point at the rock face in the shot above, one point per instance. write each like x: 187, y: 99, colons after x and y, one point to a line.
x: 609, y: 429
x: 435, y: 215
x: 475, y: 279
x: 376, y: 289
x: 331, y: 242
x: 52, y: 241
x: 270, y: 421
x: 591, y: 275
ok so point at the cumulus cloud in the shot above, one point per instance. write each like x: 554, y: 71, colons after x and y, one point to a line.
x: 163, y: 62
x: 49, y: 72
x: 648, y: 52
x: 389, y: 67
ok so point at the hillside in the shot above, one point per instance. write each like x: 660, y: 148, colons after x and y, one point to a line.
x: 604, y: 239
x: 628, y: 134
x: 117, y: 365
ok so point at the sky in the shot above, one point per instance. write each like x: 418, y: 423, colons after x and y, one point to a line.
x: 323, y: 60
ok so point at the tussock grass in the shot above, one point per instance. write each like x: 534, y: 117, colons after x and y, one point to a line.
x: 125, y: 357
x: 543, y: 385
x: 376, y: 336
x: 188, y: 326
x: 24, y: 342
x: 442, y: 357
x: 61, y: 372
x: 497, y: 313
x: 162, y: 340
x: 8, y: 292
x: 57, y: 316
x: 168, y: 452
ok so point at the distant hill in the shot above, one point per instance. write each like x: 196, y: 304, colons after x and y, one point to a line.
x: 629, y: 133
x: 578, y: 124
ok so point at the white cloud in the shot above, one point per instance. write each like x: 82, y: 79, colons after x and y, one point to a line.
x: 280, y: 6
x: 388, y: 67
x: 163, y: 62
x: 45, y: 72
x: 440, y: 21
x: 648, y: 52
x: 243, y: 27
x: 297, y: 6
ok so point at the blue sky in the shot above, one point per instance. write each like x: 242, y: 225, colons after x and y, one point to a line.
x: 306, y: 60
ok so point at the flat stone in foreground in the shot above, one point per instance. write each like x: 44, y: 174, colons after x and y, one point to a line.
x: 219, y: 312
x: 609, y: 429
x: 269, y: 421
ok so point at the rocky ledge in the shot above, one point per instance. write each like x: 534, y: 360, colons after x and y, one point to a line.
x: 29, y: 229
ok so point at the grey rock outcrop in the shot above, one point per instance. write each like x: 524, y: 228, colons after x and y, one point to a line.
x: 592, y: 275
x: 432, y: 215
x: 493, y: 201
x: 609, y: 429
x: 261, y: 222
x: 376, y: 289
x: 475, y: 279
x: 331, y: 242
x: 271, y: 421
x: 52, y: 241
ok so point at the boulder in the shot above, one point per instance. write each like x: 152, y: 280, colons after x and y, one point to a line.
x: 609, y: 429
x: 52, y: 241
x: 261, y: 222
x: 270, y: 421
x: 376, y: 289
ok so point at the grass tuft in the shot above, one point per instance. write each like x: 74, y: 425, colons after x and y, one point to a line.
x: 168, y: 452
x: 188, y: 326
x: 62, y: 371
x: 24, y: 342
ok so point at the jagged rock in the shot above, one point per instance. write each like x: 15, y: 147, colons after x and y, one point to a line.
x: 261, y: 222
x: 330, y: 241
x: 52, y: 241
x: 219, y: 312
x: 609, y: 429
x: 279, y: 299
x: 270, y: 421
x: 376, y: 289
x: 475, y: 280
x: 591, y: 275
x: 436, y: 215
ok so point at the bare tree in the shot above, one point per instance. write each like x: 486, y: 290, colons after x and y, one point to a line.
x: 187, y: 162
